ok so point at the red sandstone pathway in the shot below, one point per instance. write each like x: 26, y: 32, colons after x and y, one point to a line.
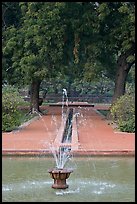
x: 94, y: 135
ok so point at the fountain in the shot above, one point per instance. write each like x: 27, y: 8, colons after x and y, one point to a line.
x: 59, y: 173
x: 95, y: 179
x: 60, y: 176
x: 62, y: 155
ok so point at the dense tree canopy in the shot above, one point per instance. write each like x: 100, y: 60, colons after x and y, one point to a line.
x: 35, y: 47
x: 77, y: 40
x: 117, y: 24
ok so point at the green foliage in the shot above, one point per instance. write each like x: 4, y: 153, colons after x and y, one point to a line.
x: 10, y: 14
x: 120, y: 33
x: 123, y: 112
x: 11, y: 116
x: 80, y: 40
x: 35, y: 46
x: 127, y: 126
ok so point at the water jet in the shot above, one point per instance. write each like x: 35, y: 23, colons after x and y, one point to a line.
x: 62, y: 155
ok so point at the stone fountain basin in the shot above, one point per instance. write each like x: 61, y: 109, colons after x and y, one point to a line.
x: 60, y: 173
x: 60, y: 176
x: 58, y: 170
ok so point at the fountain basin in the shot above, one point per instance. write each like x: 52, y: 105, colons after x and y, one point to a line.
x: 94, y: 179
x: 60, y: 176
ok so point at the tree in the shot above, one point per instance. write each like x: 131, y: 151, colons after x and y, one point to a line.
x: 117, y: 24
x: 108, y: 42
x: 76, y: 40
x: 35, y: 46
x: 11, y: 15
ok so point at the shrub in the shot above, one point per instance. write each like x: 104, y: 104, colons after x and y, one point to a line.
x: 123, y: 112
x: 10, y: 113
x: 127, y: 126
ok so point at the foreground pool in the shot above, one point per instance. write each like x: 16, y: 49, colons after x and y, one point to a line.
x: 94, y: 179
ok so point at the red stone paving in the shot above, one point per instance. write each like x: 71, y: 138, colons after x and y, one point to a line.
x: 94, y: 136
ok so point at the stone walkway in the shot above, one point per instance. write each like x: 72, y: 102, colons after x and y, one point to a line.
x: 93, y: 135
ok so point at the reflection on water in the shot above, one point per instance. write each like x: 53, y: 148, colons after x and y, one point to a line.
x: 94, y: 179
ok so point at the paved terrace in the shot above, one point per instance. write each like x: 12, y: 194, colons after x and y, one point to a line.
x: 92, y: 135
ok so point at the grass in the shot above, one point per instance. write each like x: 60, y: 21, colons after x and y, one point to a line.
x: 104, y: 112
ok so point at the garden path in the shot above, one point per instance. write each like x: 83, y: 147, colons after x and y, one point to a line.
x: 95, y: 135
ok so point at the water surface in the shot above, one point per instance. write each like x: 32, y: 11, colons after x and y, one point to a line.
x: 94, y: 179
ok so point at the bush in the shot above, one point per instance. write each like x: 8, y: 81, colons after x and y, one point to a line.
x: 127, y: 126
x: 11, y: 116
x: 123, y: 112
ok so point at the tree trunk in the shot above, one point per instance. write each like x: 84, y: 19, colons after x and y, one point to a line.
x: 121, y: 76
x: 123, y: 68
x: 34, y: 96
x: 120, y: 82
